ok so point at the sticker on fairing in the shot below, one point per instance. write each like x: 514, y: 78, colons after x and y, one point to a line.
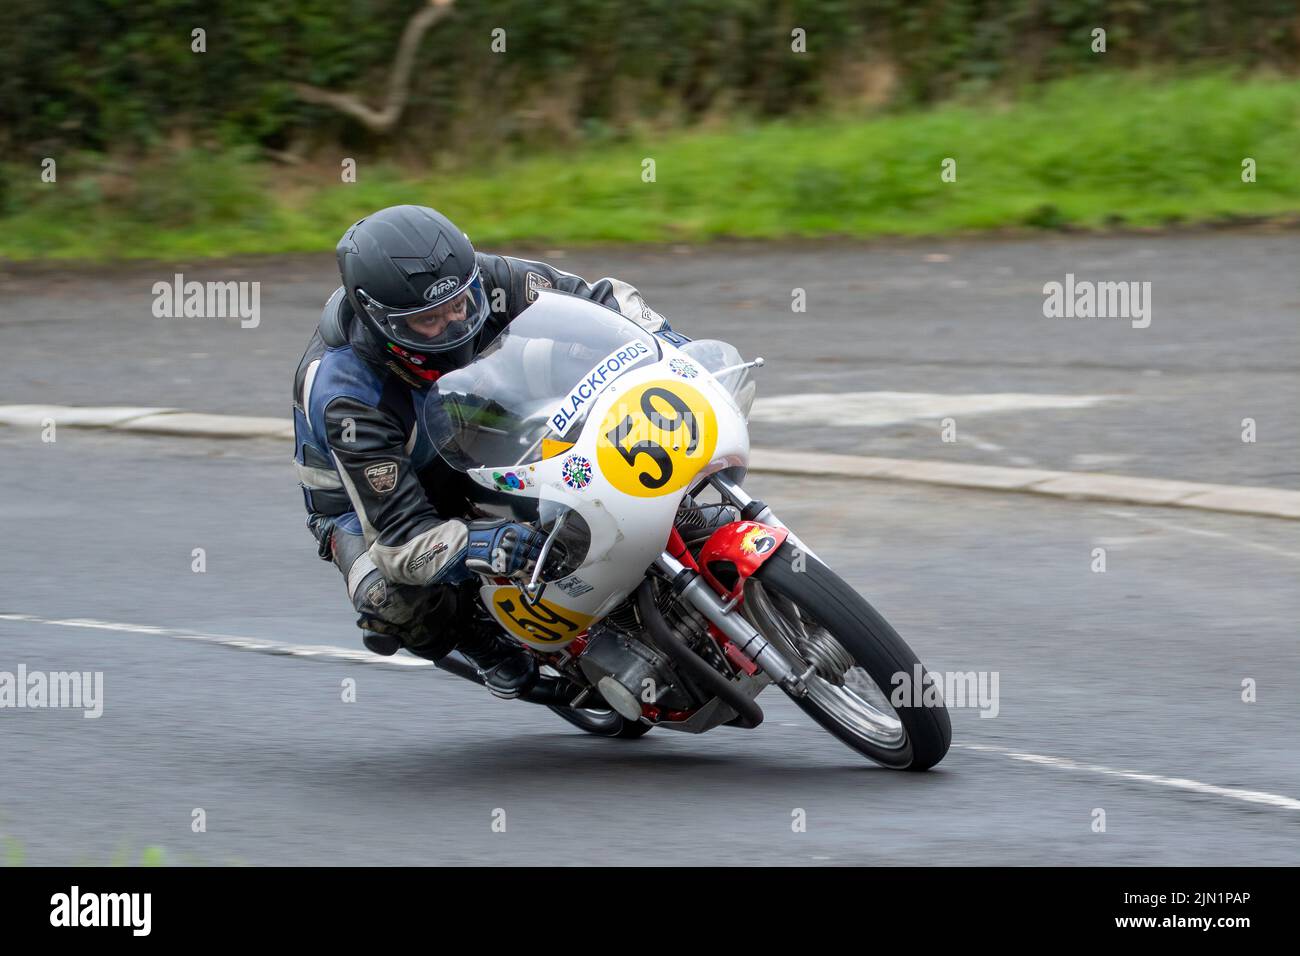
x: 574, y: 586
x: 757, y: 540
x: 576, y: 472
x: 516, y: 480
x: 568, y: 411
x: 656, y: 438
x: 543, y: 625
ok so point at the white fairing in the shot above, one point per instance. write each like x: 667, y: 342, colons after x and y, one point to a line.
x: 687, y: 425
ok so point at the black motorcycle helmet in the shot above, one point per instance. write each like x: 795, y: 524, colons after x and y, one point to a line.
x: 414, y: 283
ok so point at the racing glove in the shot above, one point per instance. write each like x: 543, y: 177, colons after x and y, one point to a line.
x: 500, y: 546
x: 322, y: 528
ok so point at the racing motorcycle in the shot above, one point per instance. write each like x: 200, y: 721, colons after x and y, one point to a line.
x: 664, y: 595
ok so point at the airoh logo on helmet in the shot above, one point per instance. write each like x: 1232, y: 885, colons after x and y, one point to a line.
x: 440, y: 288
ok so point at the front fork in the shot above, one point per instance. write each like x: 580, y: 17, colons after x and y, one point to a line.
x: 751, y: 509
x: 691, y: 587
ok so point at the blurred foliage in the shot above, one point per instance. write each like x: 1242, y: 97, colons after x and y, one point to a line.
x: 119, y: 75
x: 14, y: 854
x: 1114, y: 149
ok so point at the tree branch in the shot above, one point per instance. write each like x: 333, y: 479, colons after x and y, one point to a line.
x: 383, y: 120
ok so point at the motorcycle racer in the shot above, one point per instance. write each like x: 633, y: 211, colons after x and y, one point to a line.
x: 417, y: 301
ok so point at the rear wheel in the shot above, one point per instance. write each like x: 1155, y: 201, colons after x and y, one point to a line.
x: 861, y: 663
x: 604, y: 723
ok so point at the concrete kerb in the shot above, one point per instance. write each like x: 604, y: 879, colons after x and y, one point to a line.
x: 1237, y: 499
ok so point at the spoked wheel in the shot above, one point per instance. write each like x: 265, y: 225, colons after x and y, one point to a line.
x: 813, y: 617
x: 604, y: 723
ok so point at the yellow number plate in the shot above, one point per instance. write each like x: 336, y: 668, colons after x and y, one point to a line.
x: 656, y: 438
x: 541, y: 625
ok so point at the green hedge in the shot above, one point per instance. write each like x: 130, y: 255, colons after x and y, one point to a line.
x: 1115, y: 149
x: 118, y: 75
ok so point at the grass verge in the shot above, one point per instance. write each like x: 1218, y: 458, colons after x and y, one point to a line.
x: 1103, y: 151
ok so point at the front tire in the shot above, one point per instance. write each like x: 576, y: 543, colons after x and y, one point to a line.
x: 790, y: 606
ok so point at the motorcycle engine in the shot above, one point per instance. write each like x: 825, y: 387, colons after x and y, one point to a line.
x: 629, y: 673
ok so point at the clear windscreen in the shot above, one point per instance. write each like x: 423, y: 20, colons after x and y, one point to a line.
x: 717, y: 356
x: 536, y: 380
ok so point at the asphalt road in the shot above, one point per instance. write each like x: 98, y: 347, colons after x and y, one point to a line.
x: 1118, y: 691
x: 1138, y: 669
x: 953, y: 318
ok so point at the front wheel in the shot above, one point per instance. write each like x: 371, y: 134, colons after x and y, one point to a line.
x: 814, y: 616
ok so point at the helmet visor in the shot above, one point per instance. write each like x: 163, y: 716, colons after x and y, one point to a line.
x: 437, y: 327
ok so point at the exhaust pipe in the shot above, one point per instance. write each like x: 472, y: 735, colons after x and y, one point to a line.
x: 548, y: 691
x: 749, y: 714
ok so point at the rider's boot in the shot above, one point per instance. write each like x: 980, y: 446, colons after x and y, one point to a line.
x: 385, y: 644
x: 507, y: 669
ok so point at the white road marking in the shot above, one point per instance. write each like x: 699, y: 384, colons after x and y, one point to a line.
x: 980, y: 443
x: 327, y: 652
x: 321, y: 652
x: 1202, y: 532
x: 984, y: 445
x: 1178, y: 783
x: 868, y: 409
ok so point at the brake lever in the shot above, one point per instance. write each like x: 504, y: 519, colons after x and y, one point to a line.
x: 532, y: 591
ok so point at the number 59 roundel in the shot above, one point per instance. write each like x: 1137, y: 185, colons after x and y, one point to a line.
x: 655, y: 438
x: 544, y: 625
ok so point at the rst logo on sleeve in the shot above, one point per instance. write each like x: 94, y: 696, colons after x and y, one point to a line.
x: 382, y: 476
x: 536, y: 282
x: 582, y: 394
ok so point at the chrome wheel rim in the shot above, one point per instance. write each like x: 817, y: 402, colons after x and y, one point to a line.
x: 850, y: 698
x: 860, y: 707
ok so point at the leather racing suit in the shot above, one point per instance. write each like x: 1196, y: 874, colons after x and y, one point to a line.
x: 384, y: 507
